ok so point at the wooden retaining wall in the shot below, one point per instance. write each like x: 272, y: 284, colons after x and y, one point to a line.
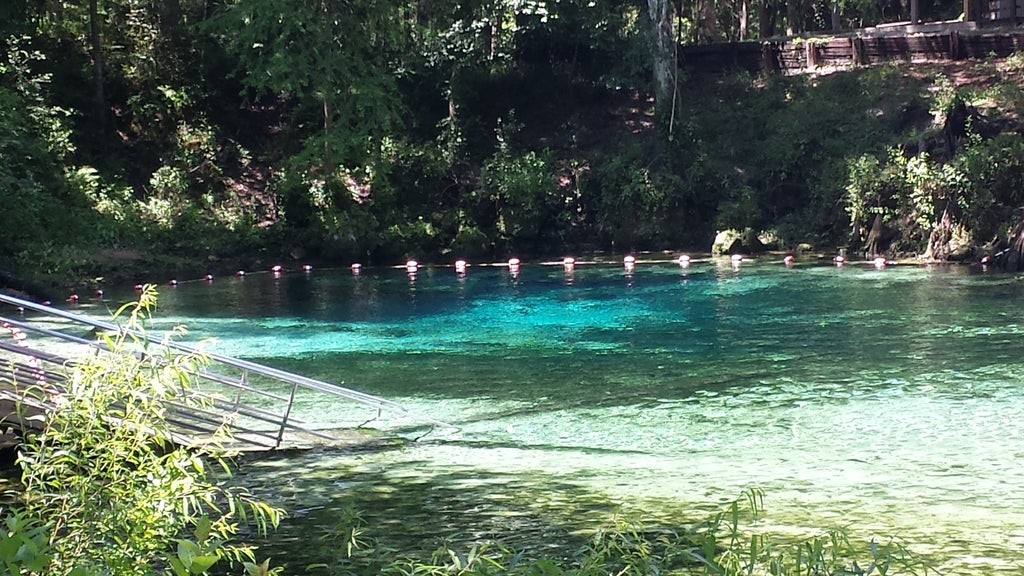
x: 799, y: 55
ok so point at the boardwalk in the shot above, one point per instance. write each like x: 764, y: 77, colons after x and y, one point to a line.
x: 933, y: 42
x: 261, y: 406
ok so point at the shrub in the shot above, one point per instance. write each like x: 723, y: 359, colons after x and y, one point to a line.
x: 106, y: 482
x: 522, y: 188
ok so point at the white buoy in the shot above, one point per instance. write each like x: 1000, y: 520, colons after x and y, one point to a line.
x: 356, y: 267
x: 568, y: 263
x: 276, y: 269
x: 629, y: 263
x: 839, y: 259
x: 880, y: 262
x: 460, y: 266
x: 789, y: 259
x: 412, y: 266
x: 307, y: 268
x: 513, y: 262
x: 684, y: 260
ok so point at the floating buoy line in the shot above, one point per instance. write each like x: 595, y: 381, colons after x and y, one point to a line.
x: 514, y: 265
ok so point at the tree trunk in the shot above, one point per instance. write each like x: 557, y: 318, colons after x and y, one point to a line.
x: 327, y: 134
x: 96, y: 46
x: 1012, y: 259
x: 793, y: 16
x: 663, y: 51
x: 495, y: 31
x: 765, y: 19
x: 170, y: 20
x: 744, y: 18
x: 836, y: 23
x: 707, y: 28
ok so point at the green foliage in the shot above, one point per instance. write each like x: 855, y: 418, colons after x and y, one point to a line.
x: 366, y: 129
x: 523, y: 190
x: 738, y: 208
x: 332, y: 58
x: 470, y: 241
x: 107, y: 484
x: 23, y: 185
x: 991, y: 175
x: 631, y: 207
x: 873, y: 187
x: 775, y: 153
x: 24, y: 545
x: 976, y: 191
x: 43, y: 209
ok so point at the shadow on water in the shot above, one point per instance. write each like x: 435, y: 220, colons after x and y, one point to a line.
x: 408, y: 508
x: 888, y: 400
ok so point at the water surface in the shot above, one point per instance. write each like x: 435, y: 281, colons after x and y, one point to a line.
x: 884, y: 401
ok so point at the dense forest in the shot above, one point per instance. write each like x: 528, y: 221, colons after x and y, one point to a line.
x: 148, y: 134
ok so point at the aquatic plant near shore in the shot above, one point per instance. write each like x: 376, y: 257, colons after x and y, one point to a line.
x: 726, y: 544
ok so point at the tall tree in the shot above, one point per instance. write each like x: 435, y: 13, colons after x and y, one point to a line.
x: 794, y: 17
x: 707, y: 18
x: 663, y: 48
x: 766, y: 18
x: 332, y: 60
x: 96, y: 48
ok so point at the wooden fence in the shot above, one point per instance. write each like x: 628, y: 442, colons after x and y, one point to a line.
x: 799, y: 55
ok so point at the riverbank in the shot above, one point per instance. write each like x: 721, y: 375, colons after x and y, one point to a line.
x: 874, y: 160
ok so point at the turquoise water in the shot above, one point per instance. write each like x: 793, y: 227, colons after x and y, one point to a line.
x: 884, y: 401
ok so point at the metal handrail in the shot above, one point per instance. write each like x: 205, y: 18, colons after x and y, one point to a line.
x: 296, y: 380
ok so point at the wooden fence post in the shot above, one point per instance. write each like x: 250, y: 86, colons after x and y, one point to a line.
x: 857, y: 51
x: 769, y: 63
x: 811, y: 53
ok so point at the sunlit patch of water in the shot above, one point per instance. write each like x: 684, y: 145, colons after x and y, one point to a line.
x: 884, y: 401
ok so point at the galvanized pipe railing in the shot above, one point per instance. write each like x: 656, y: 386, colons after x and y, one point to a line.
x: 244, y: 384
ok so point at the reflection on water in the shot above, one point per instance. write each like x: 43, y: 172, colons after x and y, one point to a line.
x: 887, y: 401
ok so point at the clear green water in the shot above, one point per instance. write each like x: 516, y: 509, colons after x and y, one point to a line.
x: 885, y: 401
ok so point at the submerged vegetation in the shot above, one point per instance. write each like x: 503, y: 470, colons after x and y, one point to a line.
x: 729, y: 543
x: 104, y: 492
x: 141, y: 134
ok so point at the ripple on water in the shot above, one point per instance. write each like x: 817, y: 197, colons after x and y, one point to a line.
x: 886, y: 401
